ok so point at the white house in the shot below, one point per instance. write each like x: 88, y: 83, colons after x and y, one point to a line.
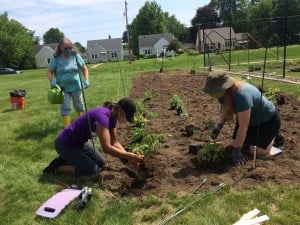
x: 104, y: 50
x: 154, y: 44
x: 218, y: 39
x: 42, y: 58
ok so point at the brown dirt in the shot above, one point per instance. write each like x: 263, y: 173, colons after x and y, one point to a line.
x: 172, y: 168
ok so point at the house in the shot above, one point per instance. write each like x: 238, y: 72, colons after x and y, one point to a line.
x: 218, y: 39
x: 43, y: 55
x: 154, y: 44
x: 104, y: 50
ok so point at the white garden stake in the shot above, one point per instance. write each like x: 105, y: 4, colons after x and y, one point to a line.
x: 254, y: 157
x: 250, y: 219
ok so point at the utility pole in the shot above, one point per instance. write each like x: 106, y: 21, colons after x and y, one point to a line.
x: 128, y: 36
x: 285, y: 39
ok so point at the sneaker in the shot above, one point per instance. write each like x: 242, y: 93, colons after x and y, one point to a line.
x: 54, y: 164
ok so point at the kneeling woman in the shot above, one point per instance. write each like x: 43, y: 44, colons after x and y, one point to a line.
x: 258, y: 121
x: 77, y: 156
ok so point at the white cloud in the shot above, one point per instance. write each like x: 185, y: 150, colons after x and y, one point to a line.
x: 88, y: 19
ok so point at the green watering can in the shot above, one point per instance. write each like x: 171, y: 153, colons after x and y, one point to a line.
x: 56, y: 95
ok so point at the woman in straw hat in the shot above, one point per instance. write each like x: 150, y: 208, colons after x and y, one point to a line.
x: 258, y: 121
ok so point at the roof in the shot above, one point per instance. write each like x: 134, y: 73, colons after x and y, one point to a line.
x: 109, y: 44
x: 152, y: 39
x: 224, y: 32
x: 39, y: 47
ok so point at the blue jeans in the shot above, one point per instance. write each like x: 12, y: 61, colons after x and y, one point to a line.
x: 86, y: 159
x: 76, y: 97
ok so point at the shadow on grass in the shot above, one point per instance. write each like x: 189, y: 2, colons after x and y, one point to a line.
x: 67, y: 181
x: 9, y: 110
x: 37, y: 130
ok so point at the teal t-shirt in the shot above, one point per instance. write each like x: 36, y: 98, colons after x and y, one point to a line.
x: 66, y: 72
x: 248, y: 96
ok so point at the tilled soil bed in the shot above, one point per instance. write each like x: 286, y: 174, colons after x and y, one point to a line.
x: 172, y: 168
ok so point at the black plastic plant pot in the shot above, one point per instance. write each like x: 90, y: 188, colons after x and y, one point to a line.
x: 179, y: 110
x: 193, y: 71
x: 194, y: 149
x: 189, y: 130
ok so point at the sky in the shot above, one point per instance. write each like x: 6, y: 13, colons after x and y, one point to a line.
x: 83, y: 20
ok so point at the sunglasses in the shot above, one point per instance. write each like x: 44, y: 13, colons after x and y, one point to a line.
x: 67, y: 48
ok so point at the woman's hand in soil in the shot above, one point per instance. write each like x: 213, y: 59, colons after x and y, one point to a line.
x: 216, y: 131
x: 136, y: 160
x: 238, y: 157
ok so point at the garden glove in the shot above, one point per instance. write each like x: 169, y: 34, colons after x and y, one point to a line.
x: 238, y: 157
x: 86, y: 84
x: 216, y: 131
x: 52, y: 83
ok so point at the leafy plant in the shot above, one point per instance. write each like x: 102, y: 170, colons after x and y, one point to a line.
x: 147, y: 95
x: 210, y: 153
x: 140, y: 120
x: 146, y: 142
x: 175, y: 101
x: 272, y: 93
x: 209, y: 124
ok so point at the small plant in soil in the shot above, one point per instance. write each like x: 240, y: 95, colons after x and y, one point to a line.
x: 271, y: 93
x: 147, y: 95
x: 140, y: 120
x: 211, y: 153
x: 175, y: 101
x: 201, y: 136
x: 148, y: 143
x: 209, y: 124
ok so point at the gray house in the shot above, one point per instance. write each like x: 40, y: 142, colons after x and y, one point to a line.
x: 154, y: 44
x: 44, y: 54
x: 219, y: 39
x: 105, y: 50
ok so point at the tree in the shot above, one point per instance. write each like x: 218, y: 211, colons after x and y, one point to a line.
x: 54, y: 35
x: 80, y: 47
x: 232, y: 13
x: 149, y: 20
x: 206, y: 17
x: 174, y: 45
x: 17, y: 44
x: 176, y: 28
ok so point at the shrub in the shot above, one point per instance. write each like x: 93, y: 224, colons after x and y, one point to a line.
x: 210, y: 153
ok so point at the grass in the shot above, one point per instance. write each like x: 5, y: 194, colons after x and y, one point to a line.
x: 26, y: 138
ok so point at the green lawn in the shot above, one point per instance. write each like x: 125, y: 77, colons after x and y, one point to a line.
x: 26, y: 138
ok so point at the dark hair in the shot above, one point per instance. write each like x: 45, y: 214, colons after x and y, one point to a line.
x: 108, y: 104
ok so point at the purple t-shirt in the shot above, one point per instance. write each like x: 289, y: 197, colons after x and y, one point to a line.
x: 78, y: 132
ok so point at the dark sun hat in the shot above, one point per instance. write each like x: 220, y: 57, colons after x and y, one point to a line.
x: 217, y: 81
x: 128, y: 107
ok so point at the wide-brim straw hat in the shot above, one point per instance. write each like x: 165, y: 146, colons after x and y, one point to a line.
x: 217, y: 81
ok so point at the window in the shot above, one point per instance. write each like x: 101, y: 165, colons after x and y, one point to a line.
x: 114, y: 55
x: 227, y: 43
x: 147, y: 51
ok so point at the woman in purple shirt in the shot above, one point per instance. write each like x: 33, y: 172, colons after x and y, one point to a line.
x: 77, y: 156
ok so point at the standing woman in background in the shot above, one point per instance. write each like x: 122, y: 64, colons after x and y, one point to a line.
x: 63, y: 71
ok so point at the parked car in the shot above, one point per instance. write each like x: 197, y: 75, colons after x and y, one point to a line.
x: 9, y: 71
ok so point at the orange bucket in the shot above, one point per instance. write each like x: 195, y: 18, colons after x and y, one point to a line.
x: 17, y: 102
